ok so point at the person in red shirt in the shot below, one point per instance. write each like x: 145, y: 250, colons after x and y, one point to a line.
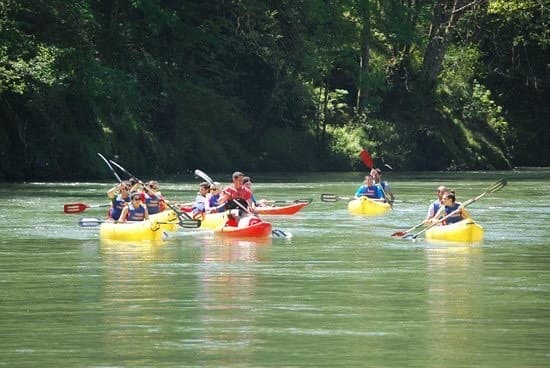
x: 237, y: 192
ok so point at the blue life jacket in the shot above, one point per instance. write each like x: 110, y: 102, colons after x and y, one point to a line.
x: 152, y: 203
x: 118, y: 205
x: 136, y: 214
x: 434, y: 208
x: 455, y: 217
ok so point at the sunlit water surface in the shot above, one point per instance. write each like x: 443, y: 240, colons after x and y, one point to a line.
x: 340, y: 292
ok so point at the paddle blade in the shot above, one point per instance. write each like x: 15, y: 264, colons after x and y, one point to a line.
x: 201, y: 174
x: 399, y: 234
x: 329, y: 197
x: 278, y: 233
x: 190, y: 224
x: 498, y: 185
x: 90, y: 222
x: 366, y: 158
x: 75, y: 207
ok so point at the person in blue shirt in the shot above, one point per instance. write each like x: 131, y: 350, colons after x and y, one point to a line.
x: 370, y: 190
x: 213, y: 198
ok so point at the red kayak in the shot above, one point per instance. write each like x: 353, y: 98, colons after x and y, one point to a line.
x: 291, y: 209
x: 256, y: 228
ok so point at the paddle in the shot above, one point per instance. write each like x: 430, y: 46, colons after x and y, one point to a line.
x: 501, y: 183
x: 327, y: 197
x: 403, y: 233
x: 181, y: 215
x: 366, y: 158
x: 110, y: 167
x: 93, y: 221
x: 81, y: 207
x: 278, y: 233
x: 368, y: 161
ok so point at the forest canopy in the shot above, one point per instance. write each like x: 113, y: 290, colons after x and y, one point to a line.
x: 276, y: 85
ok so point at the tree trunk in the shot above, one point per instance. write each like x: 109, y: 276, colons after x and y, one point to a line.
x: 445, y: 16
x: 364, y: 58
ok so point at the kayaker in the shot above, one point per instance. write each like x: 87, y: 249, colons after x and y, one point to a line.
x: 247, y: 182
x: 450, y: 208
x: 135, y: 210
x: 120, y: 197
x: 201, y: 203
x: 384, y: 185
x: 437, y: 204
x: 237, y: 192
x: 370, y: 190
x: 213, y: 197
x: 152, y: 197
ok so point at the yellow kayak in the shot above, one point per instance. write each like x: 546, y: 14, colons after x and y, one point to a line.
x: 214, y: 221
x: 151, y: 229
x: 465, y: 231
x: 364, y: 206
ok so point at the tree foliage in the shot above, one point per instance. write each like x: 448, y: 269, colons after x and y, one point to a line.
x: 172, y: 85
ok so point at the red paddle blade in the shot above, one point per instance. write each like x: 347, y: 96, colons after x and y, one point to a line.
x: 366, y: 158
x: 399, y: 233
x: 74, y: 207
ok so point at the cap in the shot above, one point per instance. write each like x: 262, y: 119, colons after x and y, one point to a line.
x: 237, y: 174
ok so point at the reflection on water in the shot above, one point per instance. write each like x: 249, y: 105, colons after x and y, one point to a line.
x: 452, y: 285
x: 135, y: 293
x: 227, y: 298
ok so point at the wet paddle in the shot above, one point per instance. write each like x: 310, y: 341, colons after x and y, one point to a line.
x: 403, y: 233
x: 93, y: 222
x: 501, y: 183
x: 365, y: 156
x: 327, y: 197
x: 110, y: 167
x: 81, y: 207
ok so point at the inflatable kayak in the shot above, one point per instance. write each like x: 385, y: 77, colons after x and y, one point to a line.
x: 213, y: 221
x: 465, y: 231
x: 151, y: 229
x: 256, y: 228
x: 248, y: 227
x: 364, y: 206
x: 291, y: 209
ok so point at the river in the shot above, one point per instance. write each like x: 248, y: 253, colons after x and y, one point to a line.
x: 340, y: 292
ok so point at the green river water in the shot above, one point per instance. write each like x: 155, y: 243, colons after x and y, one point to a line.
x: 340, y: 293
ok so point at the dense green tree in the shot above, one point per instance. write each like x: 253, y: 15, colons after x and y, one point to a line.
x: 166, y: 86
